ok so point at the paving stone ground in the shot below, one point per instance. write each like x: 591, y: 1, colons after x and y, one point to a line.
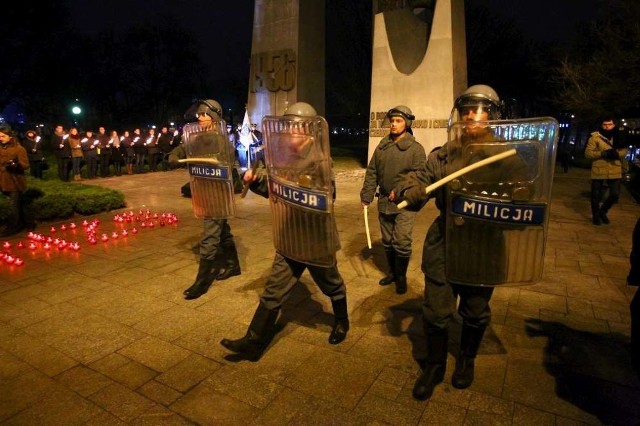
x: 104, y: 336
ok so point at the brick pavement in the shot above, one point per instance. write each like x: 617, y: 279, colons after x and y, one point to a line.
x: 104, y: 336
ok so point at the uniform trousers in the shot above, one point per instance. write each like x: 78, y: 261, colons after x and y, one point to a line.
x: 286, y: 272
x: 396, y: 231
x: 440, y: 303
x: 216, y: 232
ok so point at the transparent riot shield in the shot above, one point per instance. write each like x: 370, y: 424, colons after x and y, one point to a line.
x: 497, y: 214
x: 210, y: 158
x: 300, y: 188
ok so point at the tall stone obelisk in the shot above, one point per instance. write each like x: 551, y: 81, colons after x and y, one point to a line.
x: 287, y: 56
x: 419, y: 60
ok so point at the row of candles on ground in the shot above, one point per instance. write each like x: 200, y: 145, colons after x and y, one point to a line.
x: 146, y: 220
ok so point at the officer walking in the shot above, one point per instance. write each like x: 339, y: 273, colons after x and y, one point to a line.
x: 477, y: 103
x: 301, y: 190
x: 206, y: 139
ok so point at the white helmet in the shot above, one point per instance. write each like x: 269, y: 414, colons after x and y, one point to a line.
x: 301, y: 109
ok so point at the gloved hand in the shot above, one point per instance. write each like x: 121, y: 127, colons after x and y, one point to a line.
x: 610, y: 154
x: 413, y: 195
x: 13, y: 166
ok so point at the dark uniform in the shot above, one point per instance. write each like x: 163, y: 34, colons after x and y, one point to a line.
x: 476, y: 103
x: 285, y: 273
x: 389, y: 159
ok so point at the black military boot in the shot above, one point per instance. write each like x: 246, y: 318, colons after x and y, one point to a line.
x: 204, y: 279
x: 232, y: 264
x: 595, y: 213
x: 402, y: 263
x: 258, y: 337
x: 391, y: 260
x: 433, y: 371
x: 341, y: 324
x: 465, y: 364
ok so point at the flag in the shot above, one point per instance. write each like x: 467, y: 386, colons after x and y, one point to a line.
x: 245, y: 131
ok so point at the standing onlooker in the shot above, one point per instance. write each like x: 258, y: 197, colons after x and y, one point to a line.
x: 63, y: 152
x: 634, y: 279
x: 31, y: 144
x: 140, y: 149
x: 607, y: 153
x: 126, y: 142
x: 104, y: 153
x: 165, y: 142
x: 255, y: 148
x: 397, y: 152
x: 90, y: 146
x: 152, y: 149
x: 76, y: 152
x: 13, y: 163
x: 116, y: 152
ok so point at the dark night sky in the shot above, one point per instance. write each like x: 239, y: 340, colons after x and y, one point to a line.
x: 227, y: 26
x: 224, y: 26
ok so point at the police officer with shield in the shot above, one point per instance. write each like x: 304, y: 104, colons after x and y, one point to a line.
x: 299, y: 184
x: 491, y: 227
x: 210, y: 158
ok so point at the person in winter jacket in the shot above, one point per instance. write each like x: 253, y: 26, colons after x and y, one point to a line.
x: 13, y: 162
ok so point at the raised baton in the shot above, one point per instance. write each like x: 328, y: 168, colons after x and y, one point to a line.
x: 464, y: 170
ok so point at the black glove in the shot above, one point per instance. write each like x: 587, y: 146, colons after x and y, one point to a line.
x: 13, y: 166
x: 414, y: 195
x: 610, y: 154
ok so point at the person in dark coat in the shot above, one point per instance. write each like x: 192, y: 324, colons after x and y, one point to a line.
x: 63, y: 152
x: 31, y: 143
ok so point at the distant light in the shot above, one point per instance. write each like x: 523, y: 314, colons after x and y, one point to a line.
x: 573, y: 116
x: 76, y: 110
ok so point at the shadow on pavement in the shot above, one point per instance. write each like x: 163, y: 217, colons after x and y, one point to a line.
x: 592, y: 371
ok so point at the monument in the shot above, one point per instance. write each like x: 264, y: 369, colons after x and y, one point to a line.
x: 419, y: 60
x: 287, y: 56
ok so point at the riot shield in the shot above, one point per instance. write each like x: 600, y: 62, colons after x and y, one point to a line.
x: 210, y: 158
x: 300, y: 188
x: 497, y: 215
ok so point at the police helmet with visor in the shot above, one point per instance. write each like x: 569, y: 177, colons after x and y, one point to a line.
x: 301, y: 109
x: 210, y: 107
x: 477, y: 99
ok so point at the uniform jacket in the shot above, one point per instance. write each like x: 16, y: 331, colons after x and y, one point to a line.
x: 12, y: 181
x: 602, y: 168
x: 438, y: 166
x: 388, y: 161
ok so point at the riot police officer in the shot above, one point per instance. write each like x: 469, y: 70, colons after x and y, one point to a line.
x: 477, y: 103
x: 206, y: 139
x: 299, y: 168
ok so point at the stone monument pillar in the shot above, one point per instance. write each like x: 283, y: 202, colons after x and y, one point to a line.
x: 419, y: 60
x: 287, y: 56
